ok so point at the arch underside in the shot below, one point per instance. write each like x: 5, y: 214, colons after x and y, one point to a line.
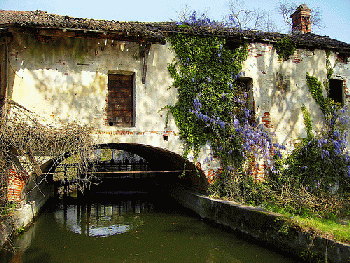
x: 164, y: 169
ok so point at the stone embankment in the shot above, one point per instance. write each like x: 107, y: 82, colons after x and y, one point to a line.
x: 265, y: 227
x: 35, y: 193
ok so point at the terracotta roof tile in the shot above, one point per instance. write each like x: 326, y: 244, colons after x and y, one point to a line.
x: 158, y: 31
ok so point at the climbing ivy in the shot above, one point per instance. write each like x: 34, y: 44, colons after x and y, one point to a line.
x: 315, y: 88
x: 307, y: 122
x: 212, y: 108
x: 204, y: 75
x: 330, y: 69
x: 284, y: 48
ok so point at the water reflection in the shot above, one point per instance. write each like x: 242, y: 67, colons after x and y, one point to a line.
x: 102, y: 220
x: 130, y: 228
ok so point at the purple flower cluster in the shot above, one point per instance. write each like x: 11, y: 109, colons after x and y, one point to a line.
x: 255, y: 141
x: 195, y: 19
x: 328, y: 150
x: 197, y: 105
x: 207, y: 119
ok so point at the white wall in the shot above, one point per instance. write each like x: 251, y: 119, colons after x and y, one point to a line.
x: 67, y: 79
x: 280, y: 88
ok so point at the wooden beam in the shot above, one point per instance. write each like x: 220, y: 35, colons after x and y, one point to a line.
x: 140, y: 172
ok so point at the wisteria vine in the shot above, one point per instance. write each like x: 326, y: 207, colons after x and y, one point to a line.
x: 322, y: 162
x: 213, y: 106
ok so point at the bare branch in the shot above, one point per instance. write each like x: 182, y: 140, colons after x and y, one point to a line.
x: 242, y: 18
x: 286, y: 8
x: 28, y: 141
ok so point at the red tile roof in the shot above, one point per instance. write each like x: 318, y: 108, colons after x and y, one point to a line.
x: 158, y: 31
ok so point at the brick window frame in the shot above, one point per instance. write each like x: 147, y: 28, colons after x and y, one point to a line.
x: 121, y: 98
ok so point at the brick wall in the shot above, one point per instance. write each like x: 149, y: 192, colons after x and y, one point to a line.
x: 266, y: 119
x: 16, y: 182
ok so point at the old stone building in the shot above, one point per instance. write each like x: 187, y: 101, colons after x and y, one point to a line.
x: 113, y: 75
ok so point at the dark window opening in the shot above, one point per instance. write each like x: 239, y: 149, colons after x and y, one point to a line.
x: 231, y: 44
x: 120, y: 108
x: 343, y: 57
x: 336, y: 90
x: 246, y: 85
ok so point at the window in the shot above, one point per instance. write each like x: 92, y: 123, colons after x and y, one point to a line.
x: 336, y: 90
x: 246, y: 85
x: 120, y: 108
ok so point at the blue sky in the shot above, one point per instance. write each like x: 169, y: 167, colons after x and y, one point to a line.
x: 335, y: 13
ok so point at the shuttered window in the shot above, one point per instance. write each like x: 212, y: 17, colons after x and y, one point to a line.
x: 120, y: 109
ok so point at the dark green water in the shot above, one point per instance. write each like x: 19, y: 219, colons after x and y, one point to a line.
x: 130, y: 228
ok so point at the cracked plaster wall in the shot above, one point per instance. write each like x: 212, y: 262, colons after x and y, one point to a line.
x: 280, y: 89
x: 67, y: 80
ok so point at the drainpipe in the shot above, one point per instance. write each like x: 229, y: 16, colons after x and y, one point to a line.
x: 144, y: 50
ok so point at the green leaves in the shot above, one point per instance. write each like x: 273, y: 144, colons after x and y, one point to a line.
x: 315, y: 88
x: 284, y: 48
x: 307, y: 122
x: 204, y: 70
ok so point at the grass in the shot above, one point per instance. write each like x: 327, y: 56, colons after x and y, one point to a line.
x: 337, y: 229
x: 328, y: 228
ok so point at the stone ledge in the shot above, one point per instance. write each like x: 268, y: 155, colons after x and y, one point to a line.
x: 6, y: 229
x: 269, y: 228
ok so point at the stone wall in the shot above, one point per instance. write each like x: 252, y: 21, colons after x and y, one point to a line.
x: 35, y: 192
x: 6, y: 230
x: 266, y: 227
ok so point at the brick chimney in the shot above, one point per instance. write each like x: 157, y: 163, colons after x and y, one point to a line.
x: 301, y: 20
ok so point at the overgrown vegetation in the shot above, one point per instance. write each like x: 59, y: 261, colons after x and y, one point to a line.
x: 284, y: 48
x: 312, y: 182
x: 213, y: 108
x: 315, y: 178
x: 27, y: 142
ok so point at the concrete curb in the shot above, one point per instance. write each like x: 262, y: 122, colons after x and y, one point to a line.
x: 263, y: 226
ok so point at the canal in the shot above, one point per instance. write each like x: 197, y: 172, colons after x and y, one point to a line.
x: 127, y: 227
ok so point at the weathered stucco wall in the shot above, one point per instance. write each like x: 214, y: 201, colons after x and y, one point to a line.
x: 280, y: 88
x: 67, y: 79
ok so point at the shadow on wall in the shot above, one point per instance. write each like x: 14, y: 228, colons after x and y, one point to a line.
x: 282, y: 90
x: 50, y: 79
x: 67, y: 78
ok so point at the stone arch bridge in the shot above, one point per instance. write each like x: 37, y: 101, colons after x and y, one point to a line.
x: 168, y: 169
